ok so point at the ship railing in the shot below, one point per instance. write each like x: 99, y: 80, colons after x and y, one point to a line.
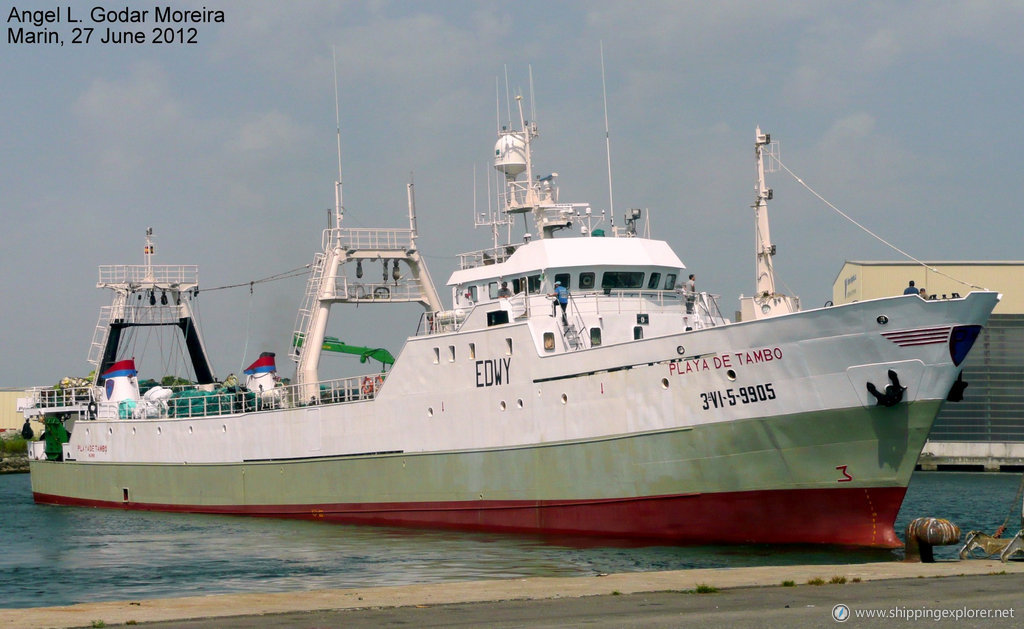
x: 161, y: 275
x: 402, y: 290
x: 703, y: 313
x: 706, y: 307
x: 486, y: 257
x: 193, y: 401
x: 59, y: 396
x: 366, y: 238
x: 441, y: 322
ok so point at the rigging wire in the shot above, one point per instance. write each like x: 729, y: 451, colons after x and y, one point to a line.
x: 296, y: 272
x: 248, y: 328
x: 868, y: 231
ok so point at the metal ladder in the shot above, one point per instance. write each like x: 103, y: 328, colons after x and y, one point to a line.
x: 305, y: 314
x: 574, y: 326
x: 99, y: 336
x: 102, y: 332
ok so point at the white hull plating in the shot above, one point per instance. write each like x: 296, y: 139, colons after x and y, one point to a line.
x: 493, y: 397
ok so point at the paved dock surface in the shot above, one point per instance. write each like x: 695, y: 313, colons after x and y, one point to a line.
x: 974, y: 593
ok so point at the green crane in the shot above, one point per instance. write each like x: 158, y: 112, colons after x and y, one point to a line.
x: 334, y: 344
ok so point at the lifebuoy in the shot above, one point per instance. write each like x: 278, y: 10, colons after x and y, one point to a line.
x: 367, y: 387
x: 91, y: 410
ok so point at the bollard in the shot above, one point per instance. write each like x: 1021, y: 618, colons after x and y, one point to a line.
x: 924, y: 533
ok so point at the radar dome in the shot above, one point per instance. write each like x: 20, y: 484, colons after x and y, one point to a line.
x: 510, y: 154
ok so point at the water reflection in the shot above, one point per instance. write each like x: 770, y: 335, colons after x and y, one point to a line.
x: 63, y: 555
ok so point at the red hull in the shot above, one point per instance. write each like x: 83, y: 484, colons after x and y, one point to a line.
x: 858, y: 517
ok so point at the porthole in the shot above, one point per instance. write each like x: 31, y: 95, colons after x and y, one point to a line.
x: 502, y: 406
x: 110, y: 431
x: 565, y: 399
x: 664, y: 383
x: 430, y: 411
x: 519, y: 403
x: 159, y: 431
x: 223, y: 428
x: 190, y: 430
x: 882, y: 319
x: 133, y: 430
x: 549, y: 341
x: 731, y: 375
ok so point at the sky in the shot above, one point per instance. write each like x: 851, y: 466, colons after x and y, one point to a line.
x: 905, y: 115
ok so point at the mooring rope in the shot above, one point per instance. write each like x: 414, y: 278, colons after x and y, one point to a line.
x: 868, y: 231
x: 1013, y: 508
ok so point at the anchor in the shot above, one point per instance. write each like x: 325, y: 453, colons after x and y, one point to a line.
x: 893, y: 392
x: 956, y: 392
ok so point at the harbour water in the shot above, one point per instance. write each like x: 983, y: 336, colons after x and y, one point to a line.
x: 64, y: 555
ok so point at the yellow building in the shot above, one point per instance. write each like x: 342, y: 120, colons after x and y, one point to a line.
x: 986, y: 429
x: 870, y: 280
x: 10, y: 417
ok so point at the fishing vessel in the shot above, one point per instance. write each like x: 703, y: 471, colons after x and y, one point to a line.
x: 573, y: 385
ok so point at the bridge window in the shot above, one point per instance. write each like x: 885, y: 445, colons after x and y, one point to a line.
x: 492, y: 290
x: 508, y: 346
x: 638, y: 333
x: 472, y: 351
x: 451, y: 353
x: 534, y: 283
x: 565, y: 279
x: 622, y: 279
x: 595, y: 337
x: 437, y: 355
x: 586, y: 280
x: 497, y: 317
x: 670, y: 281
x: 652, y: 283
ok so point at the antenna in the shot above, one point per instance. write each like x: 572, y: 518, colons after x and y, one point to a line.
x: 412, y: 206
x: 533, y: 106
x: 607, y: 140
x: 149, y: 251
x: 339, y: 206
x: 508, y: 103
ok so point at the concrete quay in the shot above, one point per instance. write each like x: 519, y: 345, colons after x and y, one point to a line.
x: 745, y: 597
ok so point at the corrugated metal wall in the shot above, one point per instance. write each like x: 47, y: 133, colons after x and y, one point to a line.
x: 993, y: 404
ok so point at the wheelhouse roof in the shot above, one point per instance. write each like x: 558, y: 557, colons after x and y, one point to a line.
x: 564, y: 253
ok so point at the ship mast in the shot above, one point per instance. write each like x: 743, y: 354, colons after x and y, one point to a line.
x: 539, y: 197
x: 328, y: 283
x: 767, y: 301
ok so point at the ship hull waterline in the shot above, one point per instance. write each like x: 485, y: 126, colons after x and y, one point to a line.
x: 832, y: 477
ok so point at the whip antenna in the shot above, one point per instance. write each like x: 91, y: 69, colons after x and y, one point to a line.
x: 607, y: 140
x: 339, y: 206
